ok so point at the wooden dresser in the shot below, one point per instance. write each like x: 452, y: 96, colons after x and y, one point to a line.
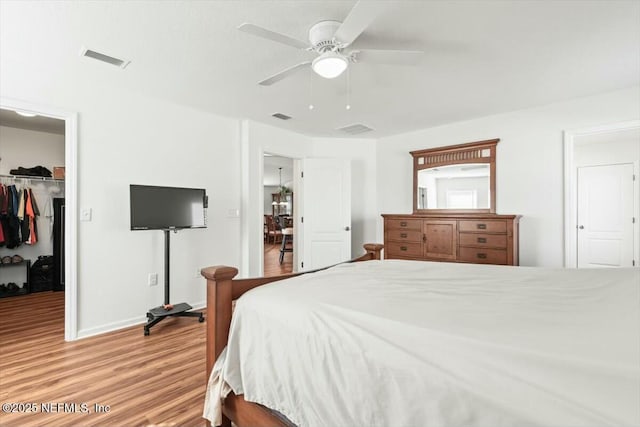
x: 476, y: 238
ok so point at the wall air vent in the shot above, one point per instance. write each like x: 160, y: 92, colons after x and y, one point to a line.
x: 355, y: 129
x: 122, y: 63
x: 280, y: 116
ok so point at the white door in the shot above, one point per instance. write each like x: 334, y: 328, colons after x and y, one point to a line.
x: 326, y: 212
x: 605, y: 216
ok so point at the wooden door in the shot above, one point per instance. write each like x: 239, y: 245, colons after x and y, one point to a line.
x: 440, y: 239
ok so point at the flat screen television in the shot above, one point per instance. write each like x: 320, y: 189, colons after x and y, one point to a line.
x: 167, y: 208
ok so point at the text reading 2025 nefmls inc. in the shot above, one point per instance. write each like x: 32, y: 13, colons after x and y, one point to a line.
x: 55, y: 407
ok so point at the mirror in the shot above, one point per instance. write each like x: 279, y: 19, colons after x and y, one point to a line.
x: 455, y: 187
x: 457, y: 178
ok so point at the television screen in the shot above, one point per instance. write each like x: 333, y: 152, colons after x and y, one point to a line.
x: 164, y: 208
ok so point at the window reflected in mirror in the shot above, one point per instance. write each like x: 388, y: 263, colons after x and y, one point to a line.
x: 460, y: 186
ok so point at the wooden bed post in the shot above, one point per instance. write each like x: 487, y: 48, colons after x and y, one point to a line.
x: 218, y: 310
x: 373, y: 249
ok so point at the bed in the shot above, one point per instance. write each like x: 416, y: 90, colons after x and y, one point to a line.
x: 414, y: 343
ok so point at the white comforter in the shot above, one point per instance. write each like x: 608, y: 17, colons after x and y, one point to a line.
x: 414, y: 343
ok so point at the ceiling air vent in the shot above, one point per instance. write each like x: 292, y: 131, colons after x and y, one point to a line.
x: 104, y: 58
x: 355, y: 129
x: 281, y: 116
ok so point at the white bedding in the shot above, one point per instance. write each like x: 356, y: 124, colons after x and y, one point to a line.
x: 415, y: 343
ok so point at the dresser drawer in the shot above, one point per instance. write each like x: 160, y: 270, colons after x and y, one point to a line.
x: 490, y: 226
x: 482, y: 256
x: 404, y: 235
x: 404, y: 224
x: 480, y: 240
x: 399, y: 249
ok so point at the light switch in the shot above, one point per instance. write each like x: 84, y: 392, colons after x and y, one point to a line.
x: 85, y: 214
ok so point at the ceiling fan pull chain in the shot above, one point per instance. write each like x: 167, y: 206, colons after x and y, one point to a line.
x: 348, y: 106
x: 311, y: 89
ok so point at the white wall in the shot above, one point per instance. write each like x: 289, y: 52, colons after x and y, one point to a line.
x: 529, y: 164
x: 167, y: 145
x: 607, y: 151
x: 362, y: 153
x: 126, y: 138
x: 27, y: 148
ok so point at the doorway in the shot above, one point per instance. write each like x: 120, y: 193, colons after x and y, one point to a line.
x: 66, y: 219
x: 278, y: 215
x: 602, y: 204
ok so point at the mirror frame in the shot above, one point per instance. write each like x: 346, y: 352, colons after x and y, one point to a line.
x: 472, y: 152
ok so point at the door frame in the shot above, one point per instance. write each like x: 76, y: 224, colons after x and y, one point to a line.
x: 296, y: 189
x: 571, y: 183
x: 71, y: 201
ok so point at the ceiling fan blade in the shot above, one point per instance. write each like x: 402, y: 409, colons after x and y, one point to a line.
x: 362, y: 14
x: 284, y: 73
x: 394, y: 57
x: 272, y: 35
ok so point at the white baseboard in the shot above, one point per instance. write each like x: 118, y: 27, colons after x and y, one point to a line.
x: 115, y: 326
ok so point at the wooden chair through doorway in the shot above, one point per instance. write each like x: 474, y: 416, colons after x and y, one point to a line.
x: 273, y: 231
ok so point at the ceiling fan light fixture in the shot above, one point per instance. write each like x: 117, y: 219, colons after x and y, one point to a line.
x: 329, y: 65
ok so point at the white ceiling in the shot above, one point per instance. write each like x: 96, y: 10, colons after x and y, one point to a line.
x: 482, y: 57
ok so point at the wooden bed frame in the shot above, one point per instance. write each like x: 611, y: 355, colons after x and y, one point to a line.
x: 222, y: 290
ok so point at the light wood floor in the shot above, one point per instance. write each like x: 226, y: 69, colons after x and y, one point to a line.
x: 158, y: 379
x: 272, y: 266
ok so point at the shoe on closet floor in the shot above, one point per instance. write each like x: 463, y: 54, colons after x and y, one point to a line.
x: 6, y: 259
x: 16, y: 259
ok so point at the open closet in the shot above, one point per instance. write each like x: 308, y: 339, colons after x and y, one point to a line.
x: 32, y: 188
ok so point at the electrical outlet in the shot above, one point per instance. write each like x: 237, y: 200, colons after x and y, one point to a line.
x: 196, y: 273
x: 153, y: 279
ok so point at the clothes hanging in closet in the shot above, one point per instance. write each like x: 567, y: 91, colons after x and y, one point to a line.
x: 18, y: 212
x: 3, y: 210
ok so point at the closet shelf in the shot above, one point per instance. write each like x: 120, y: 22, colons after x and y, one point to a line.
x: 31, y: 178
x: 12, y: 264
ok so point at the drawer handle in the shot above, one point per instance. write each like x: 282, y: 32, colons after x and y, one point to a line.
x: 482, y: 256
x: 481, y: 226
x: 403, y: 235
x: 424, y: 238
x: 482, y: 240
x: 403, y: 248
x: 403, y: 224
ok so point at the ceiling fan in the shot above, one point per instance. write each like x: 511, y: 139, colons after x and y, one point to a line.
x: 330, y: 40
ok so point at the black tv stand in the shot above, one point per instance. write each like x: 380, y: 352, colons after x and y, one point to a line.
x: 157, y: 314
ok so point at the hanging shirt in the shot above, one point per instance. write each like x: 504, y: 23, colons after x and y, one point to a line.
x: 10, y: 221
x: 30, y: 214
x: 3, y: 211
x: 4, y: 199
x: 21, y: 200
x: 48, y: 214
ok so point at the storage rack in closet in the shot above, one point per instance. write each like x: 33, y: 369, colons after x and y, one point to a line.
x: 26, y: 288
x: 30, y: 178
